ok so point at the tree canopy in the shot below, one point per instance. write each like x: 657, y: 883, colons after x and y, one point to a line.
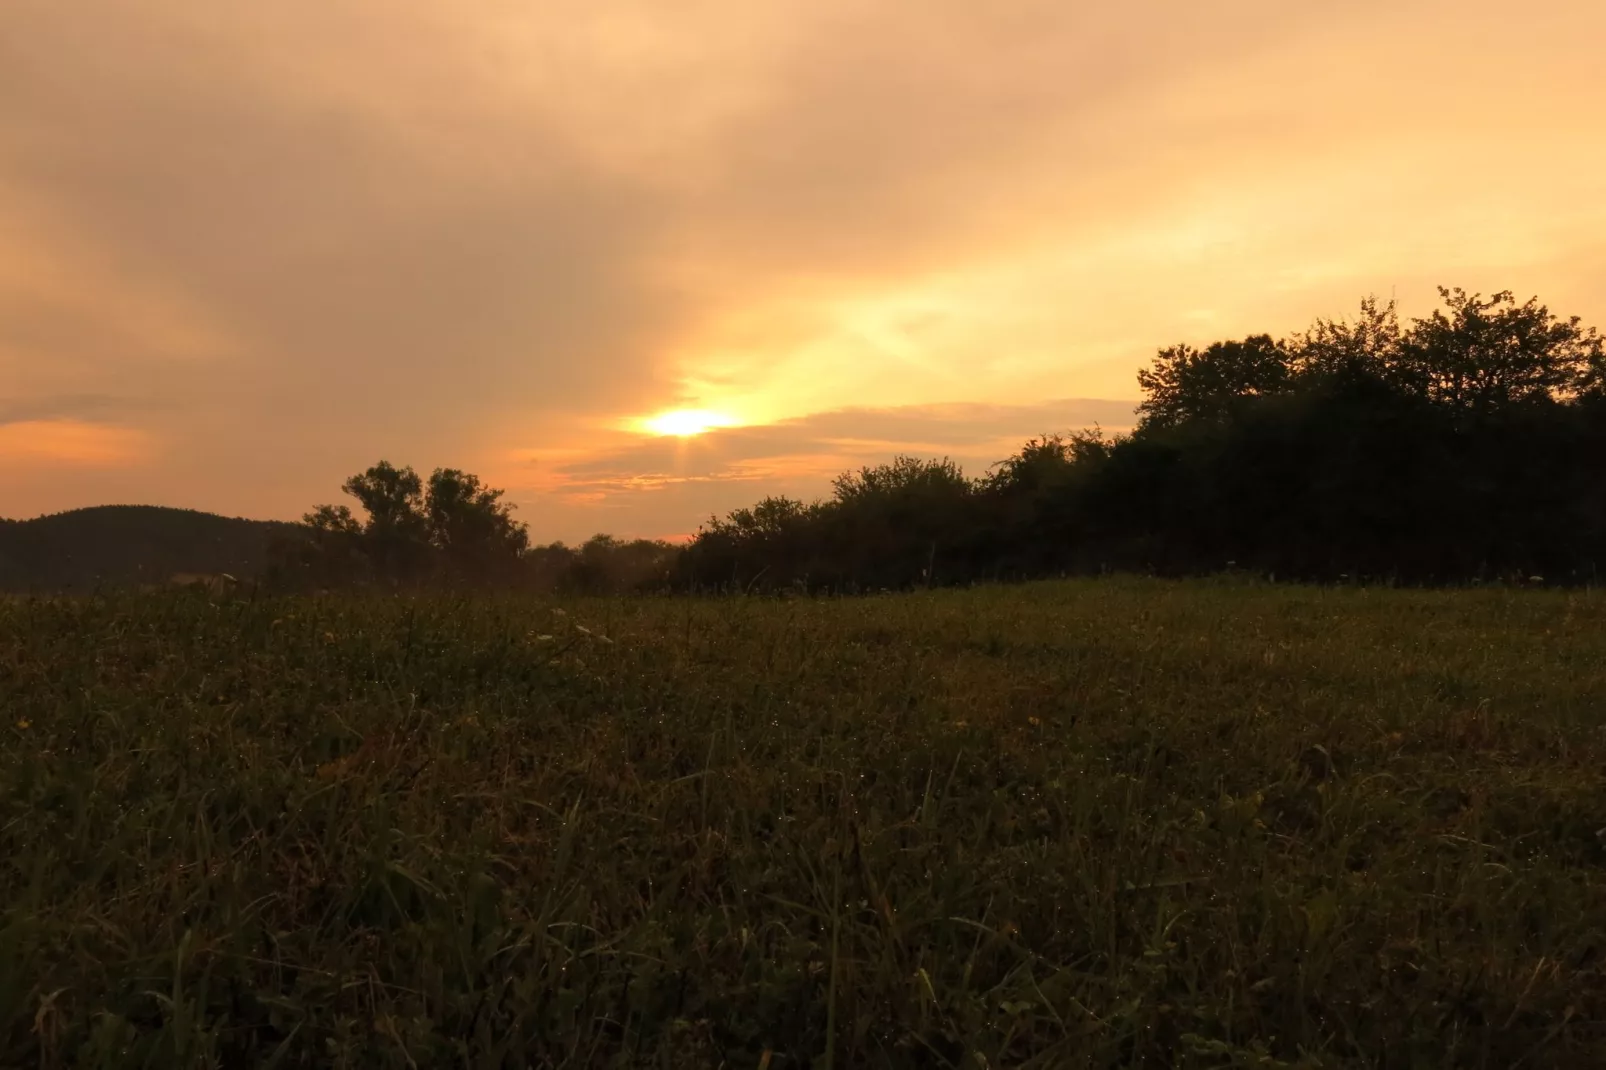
x: 1466, y: 444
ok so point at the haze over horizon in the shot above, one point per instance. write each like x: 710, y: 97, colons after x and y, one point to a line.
x: 639, y: 269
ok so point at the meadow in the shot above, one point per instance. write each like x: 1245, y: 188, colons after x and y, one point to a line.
x: 1083, y: 823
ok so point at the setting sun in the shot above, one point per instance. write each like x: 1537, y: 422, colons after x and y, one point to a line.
x: 685, y: 422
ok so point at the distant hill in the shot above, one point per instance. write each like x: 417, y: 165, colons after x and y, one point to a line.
x: 120, y: 545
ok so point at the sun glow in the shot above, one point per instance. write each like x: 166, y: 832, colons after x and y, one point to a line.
x: 683, y: 423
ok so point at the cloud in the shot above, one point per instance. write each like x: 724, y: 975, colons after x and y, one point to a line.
x: 643, y: 482
x: 72, y: 443
x: 284, y: 240
x: 59, y: 407
x: 413, y: 259
x: 844, y: 436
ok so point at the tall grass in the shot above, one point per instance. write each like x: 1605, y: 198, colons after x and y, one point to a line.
x: 1104, y: 823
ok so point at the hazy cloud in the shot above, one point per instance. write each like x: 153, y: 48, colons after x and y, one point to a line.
x: 52, y: 444
x: 266, y: 244
x: 63, y: 407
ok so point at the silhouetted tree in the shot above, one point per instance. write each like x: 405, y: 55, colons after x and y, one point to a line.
x: 1479, y: 355
x: 393, y: 498
x: 455, y: 529
x: 778, y: 541
x: 333, y: 521
x: 470, y: 526
x: 1343, y: 351
x: 604, y: 564
x: 333, y: 551
x: 1189, y: 384
x: 1471, y: 443
x: 395, y: 536
x: 896, y: 524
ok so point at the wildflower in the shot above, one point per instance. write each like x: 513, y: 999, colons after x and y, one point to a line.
x: 1035, y: 722
x: 24, y: 724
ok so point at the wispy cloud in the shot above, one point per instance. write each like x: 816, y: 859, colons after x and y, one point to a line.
x: 72, y: 443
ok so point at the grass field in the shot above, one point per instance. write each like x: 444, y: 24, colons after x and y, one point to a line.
x: 1103, y: 823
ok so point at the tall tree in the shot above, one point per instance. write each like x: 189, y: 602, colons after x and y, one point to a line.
x: 393, y: 498
x: 469, y: 523
x: 395, y: 535
x: 455, y: 523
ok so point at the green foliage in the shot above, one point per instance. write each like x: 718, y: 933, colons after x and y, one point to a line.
x: 1090, y: 823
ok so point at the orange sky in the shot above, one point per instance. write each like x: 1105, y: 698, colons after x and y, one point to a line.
x: 246, y: 250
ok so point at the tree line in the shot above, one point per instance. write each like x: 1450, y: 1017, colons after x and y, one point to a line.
x: 1470, y: 444
x: 1466, y: 445
x: 451, y: 530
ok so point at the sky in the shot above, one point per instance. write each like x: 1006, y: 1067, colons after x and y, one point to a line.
x: 248, y: 249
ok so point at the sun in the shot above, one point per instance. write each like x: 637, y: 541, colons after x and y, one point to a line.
x: 683, y: 423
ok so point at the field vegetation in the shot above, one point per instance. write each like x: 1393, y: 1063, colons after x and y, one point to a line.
x: 1096, y: 823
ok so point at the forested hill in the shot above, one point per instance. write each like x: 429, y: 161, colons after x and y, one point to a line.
x: 127, y: 544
